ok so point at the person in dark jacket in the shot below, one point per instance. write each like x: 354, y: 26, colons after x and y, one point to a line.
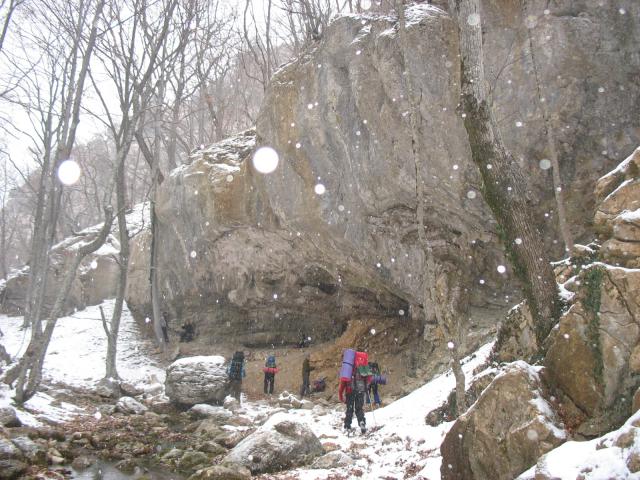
x: 306, y: 373
x: 270, y: 369
x: 355, y: 391
x: 235, y: 374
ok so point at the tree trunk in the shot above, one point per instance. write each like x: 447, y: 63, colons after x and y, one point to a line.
x: 123, y: 263
x: 29, y: 371
x: 558, y: 191
x: 504, y: 185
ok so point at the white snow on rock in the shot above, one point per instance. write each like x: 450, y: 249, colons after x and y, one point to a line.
x: 199, y: 379
x: 130, y: 405
x: 609, y: 456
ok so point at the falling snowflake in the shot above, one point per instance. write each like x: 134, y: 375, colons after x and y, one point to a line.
x: 451, y: 345
x: 265, y: 160
x: 372, y: 331
x: 501, y: 269
x: 193, y: 254
x: 473, y: 19
x: 319, y: 189
x: 69, y: 172
x: 545, y: 164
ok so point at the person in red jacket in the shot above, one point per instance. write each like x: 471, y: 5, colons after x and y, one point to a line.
x: 354, y: 392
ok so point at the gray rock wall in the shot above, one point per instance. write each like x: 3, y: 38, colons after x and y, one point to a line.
x: 260, y: 259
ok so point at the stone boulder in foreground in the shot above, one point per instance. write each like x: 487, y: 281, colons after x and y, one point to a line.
x: 196, y: 380
x: 278, y: 445
x: 504, y: 432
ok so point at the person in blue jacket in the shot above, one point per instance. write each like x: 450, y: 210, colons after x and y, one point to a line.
x: 235, y: 374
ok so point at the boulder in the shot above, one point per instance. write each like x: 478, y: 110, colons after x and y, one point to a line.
x: 8, y: 450
x: 335, y: 459
x: 516, y: 336
x: 194, y: 380
x: 36, y: 454
x: 130, y: 405
x: 82, y: 462
x: 278, y: 445
x: 209, y: 428
x: 11, y: 469
x: 9, y: 417
x: 509, y: 427
x: 617, y: 216
x: 217, y: 414
x: 591, y: 354
x: 191, y: 460
x: 222, y: 472
x: 108, y: 388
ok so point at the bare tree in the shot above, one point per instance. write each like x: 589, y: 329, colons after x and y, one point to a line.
x: 549, y: 124
x: 505, y: 187
x: 134, y: 43
x: 29, y: 369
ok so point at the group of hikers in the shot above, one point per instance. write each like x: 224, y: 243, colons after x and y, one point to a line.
x: 359, y: 381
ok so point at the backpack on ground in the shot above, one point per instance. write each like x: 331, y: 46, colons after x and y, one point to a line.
x: 319, y: 385
x: 235, y: 369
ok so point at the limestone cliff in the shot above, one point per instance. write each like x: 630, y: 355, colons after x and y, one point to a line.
x: 263, y: 258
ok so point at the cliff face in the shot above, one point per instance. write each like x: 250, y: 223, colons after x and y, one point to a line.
x: 267, y: 256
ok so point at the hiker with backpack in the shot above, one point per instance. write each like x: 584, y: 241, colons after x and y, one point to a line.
x: 235, y: 374
x: 355, y: 377
x: 377, y: 379
x: 270, y: 371
x: 306, y: 373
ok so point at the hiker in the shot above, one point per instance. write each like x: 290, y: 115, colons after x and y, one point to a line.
x: 354, y: 384
x: 235, y: 374
x: 164, y: 326
x: 270, y: 371
x: 378, y: 379
x: 306, y: 373
x: 304, y: 341
x: 188, y: 332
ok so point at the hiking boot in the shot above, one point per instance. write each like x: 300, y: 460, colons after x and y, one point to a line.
x: 363, y: 428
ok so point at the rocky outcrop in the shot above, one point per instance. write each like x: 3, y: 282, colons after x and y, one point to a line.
x: 222, y: 472
x: 96, y: 279
x: 129, y: 405
x: 504, y: 432
x: 278, y: 445
x: 196, y: 380
x: 258, y: 259
x: 230, y: 269
x: 9, y: 417
x: 617, y: 217
x: 594, y: 353
x: 516, y: 336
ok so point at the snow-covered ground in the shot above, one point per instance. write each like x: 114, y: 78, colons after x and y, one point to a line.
x: 76, y: 357
x: 400, y: 444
